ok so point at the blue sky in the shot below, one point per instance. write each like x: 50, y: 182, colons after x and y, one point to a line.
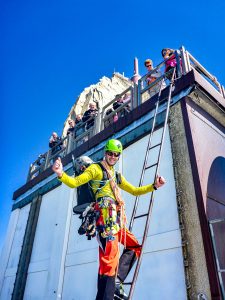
x: 51, y: 50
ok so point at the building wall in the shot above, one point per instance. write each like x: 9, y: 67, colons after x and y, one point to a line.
x: 178, y: 261
x: 212, y: 145
x: 48, y: 246
x: 64, y: 264
x: 210, y: 161
x: 197, y: 139
x: 196, y: 271
x: 11, y: 251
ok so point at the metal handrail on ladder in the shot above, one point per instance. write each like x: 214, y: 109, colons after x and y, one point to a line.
x: 145, y: 167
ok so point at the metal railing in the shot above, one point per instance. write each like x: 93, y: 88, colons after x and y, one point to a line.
x: 185, y: 62
x: 37, y: 166
x: 126, y: 101
x: 218, y: 258
x: 121, y: 105
x: 194, y: 64
x: 65, y: 146
x: 162, y: 78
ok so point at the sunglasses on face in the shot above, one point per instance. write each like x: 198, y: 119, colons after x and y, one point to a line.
x: 113, y: 154
x: 148, y: 66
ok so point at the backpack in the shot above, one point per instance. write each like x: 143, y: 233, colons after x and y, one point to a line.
x: 86, y: 211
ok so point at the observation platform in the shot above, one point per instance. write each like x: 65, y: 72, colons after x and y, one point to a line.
x: 192, y: 78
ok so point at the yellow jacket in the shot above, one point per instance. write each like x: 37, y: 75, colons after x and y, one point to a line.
x: 94, y: 174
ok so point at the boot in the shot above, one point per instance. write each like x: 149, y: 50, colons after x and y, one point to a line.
x: 120, y: 293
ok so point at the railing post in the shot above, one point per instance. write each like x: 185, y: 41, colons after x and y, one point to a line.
x: 220, y: 89
x: 134, y: 95
x: 177, y: 55
x: 223, y: 91
x: 139, y: 92
x: 47, y: 159
x: 188, y: 61
x: 97, y: 126
x: 69, y: 144
x: 185, y: 61
x: 28, y: 176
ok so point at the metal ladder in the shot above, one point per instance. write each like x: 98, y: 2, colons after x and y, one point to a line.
x: 146, y: 167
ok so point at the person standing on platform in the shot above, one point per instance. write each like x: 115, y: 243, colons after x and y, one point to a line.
x: 152, y: 78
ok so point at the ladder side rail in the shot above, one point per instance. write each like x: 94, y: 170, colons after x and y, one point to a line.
x: 165, y: 123
x: 146, y: 157
x: 136, y: 272
x: 152, y: 194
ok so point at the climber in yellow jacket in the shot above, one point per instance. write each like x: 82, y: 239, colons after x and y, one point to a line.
x: 111, y: 222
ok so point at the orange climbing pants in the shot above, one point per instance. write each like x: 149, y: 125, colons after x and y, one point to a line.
x: 109, y: 253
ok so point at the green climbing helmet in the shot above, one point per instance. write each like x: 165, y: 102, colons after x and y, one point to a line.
x: 114, y: 145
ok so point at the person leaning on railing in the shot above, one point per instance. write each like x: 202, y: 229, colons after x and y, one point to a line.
x: 41, y: 161
x: 112, y: 119
x: 152, y: 77
x: 71, y: 128
x: 90, y: 114
x: 170, y: 60
x: 37, y: 165
x: 119, y: 102
x: 55, y: 143
x: 79, y: 130
x: 79, y: 125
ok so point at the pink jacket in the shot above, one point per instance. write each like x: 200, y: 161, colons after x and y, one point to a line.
x: 171, y: 63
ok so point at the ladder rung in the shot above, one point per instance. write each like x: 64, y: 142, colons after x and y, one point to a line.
x: 140, y: 216
x: 154, y: 146
x: 153, y: 165
x: 127, y: 283
x: 116, y: 297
